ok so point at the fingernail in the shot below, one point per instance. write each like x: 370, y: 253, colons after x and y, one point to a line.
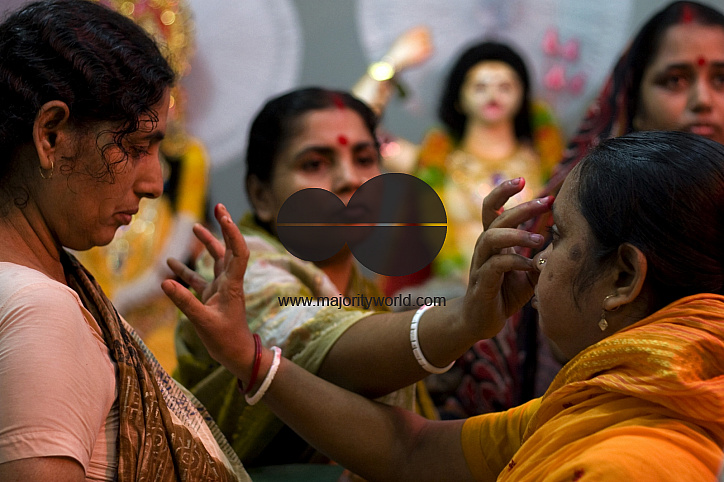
x: 536, y: 238
x: 545, y: 201
x: 516, y: 181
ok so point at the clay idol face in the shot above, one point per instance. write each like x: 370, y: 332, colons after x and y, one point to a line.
x: 492, y: 93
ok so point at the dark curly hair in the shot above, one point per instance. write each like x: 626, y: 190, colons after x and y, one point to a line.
x: 448, y: 112
x: 104, y: 66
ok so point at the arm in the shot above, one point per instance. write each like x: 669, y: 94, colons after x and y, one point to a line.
x: 411, y: 48
x: 58, y: 469
x: 501, y: 282
x: 376, y: 441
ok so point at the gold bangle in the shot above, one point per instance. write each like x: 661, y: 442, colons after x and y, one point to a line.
x: 382, y: 70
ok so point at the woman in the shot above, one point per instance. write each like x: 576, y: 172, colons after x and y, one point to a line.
x: 305, y: 138
x: 669, y: 78
x: 84, y: 99
x: 631, y: 290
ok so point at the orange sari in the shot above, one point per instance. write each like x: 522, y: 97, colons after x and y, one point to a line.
x: 646, y: 403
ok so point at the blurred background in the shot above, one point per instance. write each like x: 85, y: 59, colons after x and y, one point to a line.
x: 245, y: 51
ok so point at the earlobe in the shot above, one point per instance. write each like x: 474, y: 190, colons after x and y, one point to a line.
x: 262, y: 198
x: 631, y: 268
x: 48, y: 130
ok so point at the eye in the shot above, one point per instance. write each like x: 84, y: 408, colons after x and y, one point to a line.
x: 480, y: 87
x: 313, y: 165
x: 717, y: 79
x: 674, y: 81
x: 138, y: 151
x: 367, y: 158
x: 554, y: 234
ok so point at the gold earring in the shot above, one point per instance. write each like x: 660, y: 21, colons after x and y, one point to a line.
x: 602, y: 323
x: 42, y: 173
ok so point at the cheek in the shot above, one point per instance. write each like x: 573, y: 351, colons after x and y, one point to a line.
x: 659, y: 111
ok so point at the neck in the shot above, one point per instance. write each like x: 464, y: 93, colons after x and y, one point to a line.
x: 338, y: 268
x: 489, y: 141
x: 23, y: 243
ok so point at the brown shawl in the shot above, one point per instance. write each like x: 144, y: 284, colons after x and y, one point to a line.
x: 152, y: 445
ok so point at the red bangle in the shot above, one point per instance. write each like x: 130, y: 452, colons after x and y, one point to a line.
x: 255, y: 368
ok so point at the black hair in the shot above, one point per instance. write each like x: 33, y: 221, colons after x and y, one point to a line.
x: 448, y: 109
x: 101, y: 64
x: 645, y: 46
x: 663, y: 192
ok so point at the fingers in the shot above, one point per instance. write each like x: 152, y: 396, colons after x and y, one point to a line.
x: 237, y: 252
x: 517, y: 215
x: 212, y: 244
x: 187, y: 275
x: 184, y: 300
x: 495, y: 241
x: 496, y: 199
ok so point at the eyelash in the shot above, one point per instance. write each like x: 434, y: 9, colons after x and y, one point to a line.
x: 136, y: 151
x: 553, y: 233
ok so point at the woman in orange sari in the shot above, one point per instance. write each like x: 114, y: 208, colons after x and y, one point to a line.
x: 631, y: 291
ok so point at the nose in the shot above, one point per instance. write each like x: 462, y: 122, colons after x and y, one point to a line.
x: 347, y: 178
x: 149, y: 177
x: 701, y: 95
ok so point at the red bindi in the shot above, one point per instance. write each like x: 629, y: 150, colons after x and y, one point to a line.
x: 701, y: 61
x: 342, y: 140
x: 338, y: 101
x: 687, y: 14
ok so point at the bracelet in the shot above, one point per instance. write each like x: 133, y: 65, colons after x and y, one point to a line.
x: 267, y: 379
x: 382, y: 70
x: 416, y: 344
x: 255, y: 369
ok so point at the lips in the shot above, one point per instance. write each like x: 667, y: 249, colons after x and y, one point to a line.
x: 703, y: 129
x: 125, y: 217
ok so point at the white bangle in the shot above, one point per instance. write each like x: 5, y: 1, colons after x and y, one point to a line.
x: 416, y: 344
x: 267, y: 379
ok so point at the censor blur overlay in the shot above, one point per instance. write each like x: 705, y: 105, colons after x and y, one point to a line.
x: 394, y: 224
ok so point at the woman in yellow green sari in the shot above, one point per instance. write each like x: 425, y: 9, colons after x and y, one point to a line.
x: 306, y: 138
x: 631, y: 291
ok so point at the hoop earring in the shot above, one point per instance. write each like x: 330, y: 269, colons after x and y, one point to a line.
x: 602, y: 323
x: 42, y: 173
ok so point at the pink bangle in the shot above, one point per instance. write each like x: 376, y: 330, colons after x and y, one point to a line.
x: 255, y: 368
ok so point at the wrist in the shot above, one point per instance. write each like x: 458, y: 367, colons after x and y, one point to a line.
x: 382, y: 70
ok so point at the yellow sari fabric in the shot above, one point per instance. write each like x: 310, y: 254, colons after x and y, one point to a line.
x: 646, y: 403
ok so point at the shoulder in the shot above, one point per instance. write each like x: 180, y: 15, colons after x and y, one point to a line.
x: 28, y: 292
x: 57, y: 376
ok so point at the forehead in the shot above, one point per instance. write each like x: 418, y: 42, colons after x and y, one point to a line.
x: 491, y: 71
x: 326, y: 125
x: 566, y: 209
x: 685, y: 43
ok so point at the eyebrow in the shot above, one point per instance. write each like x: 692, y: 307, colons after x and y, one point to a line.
x: 689, y: 65
x: 326, y: 150
x: 153, y: 136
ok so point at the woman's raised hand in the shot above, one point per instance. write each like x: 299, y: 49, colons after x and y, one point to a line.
x: 220, y: 316
x: 501, y: 280
x: 412, y: 47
